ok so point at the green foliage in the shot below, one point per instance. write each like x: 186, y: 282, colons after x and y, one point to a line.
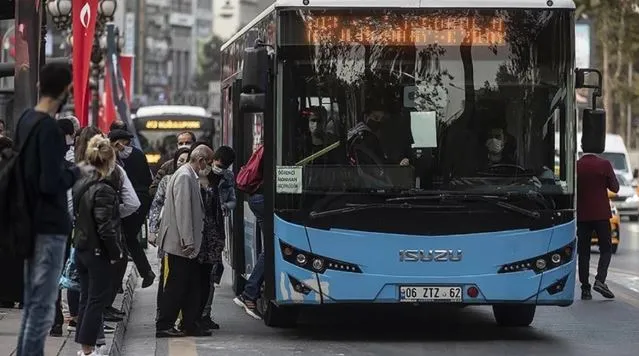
x: 209, y: 64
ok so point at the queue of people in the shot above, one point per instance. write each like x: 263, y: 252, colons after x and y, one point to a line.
x: 88, y: 198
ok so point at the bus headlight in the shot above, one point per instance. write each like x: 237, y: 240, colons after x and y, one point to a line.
x: 318, y: 263
x: 542, y: 263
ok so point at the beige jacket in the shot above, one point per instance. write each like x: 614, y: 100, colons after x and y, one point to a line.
x: 182, y: 218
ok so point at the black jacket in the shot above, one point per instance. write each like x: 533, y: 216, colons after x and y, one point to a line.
x: 167, y: 168
x: 47, y: 174
x: 138, y: 171
x: 97, y: 227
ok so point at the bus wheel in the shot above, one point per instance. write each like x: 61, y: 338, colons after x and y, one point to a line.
x: 280, y: 316
x: 517, y: 315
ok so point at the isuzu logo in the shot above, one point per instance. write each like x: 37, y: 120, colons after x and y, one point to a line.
x: 430, y: 255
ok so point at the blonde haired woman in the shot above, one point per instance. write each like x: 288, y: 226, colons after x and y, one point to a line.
x: 96, y: 240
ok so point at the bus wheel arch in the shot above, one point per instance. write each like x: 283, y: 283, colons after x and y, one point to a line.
x: 280, y: 316
x: 514, y: 315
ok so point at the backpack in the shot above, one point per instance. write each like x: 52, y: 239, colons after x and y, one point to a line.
x: 249, y: 178
x: 16, y: 228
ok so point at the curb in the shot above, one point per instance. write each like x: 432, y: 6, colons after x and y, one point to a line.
x: 127, y: 304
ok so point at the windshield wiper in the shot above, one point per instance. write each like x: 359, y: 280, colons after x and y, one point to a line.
x: 497, y: 200
x: 349, y: 208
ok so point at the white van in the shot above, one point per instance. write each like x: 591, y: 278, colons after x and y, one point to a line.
x: 616, y: 153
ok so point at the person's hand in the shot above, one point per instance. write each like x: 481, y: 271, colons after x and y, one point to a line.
x: 404, y: 162
x: 114, y: 262
x: 152, y: 239
x: 188, y: 250
x: 225, y: 210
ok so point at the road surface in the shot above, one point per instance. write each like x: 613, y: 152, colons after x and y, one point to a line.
x: 586, y: 328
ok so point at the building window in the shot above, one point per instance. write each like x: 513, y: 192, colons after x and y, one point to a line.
x: 205, y: 4
x: 183, y: 6
x: 204, y: 28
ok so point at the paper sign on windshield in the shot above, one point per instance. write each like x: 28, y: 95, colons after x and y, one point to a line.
x: 423, y: 125
x: 289, y: 180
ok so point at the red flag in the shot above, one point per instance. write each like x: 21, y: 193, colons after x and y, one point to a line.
x: 85, y: 13
x: 126, y: 68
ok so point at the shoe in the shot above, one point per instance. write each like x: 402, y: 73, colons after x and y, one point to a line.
x: 94, y: 353
x: 249, y: 306
x: 108, y: 329
x: 169, y: 333
x: 56, y: 330
x: 198, y: 333
x: 148, y: 279
x: 208, y: 324
x: 112, y: 317
x: 115, y: 311
x: 585, y: 294
x: 72, y: 326
x: 603, y: 289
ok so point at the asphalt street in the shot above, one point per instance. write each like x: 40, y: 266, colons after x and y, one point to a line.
x: 586, y: 328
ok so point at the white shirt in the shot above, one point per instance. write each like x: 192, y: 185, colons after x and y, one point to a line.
x: 130, y: 202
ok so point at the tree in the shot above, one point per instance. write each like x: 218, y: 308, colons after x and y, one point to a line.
x: 209, y: 64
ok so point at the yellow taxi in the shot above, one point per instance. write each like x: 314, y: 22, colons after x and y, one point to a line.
x: 615, y: 224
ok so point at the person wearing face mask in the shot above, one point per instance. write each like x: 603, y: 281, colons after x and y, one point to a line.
x: 184, y: 140
x: 47, y: 177
x: 140, y: 175
x: 96, y: 241
x: 157, y: 207
x: 223, y: 179
x: 180, y: 237
x: 498, y: 148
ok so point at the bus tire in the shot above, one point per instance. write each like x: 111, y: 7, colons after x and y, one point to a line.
x: 280, y: 316
x: 514, y: 315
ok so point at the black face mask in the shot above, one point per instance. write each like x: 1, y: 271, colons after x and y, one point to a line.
x: 63, y: 102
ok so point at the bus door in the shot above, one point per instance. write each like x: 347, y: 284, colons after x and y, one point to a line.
x: 253, y: 237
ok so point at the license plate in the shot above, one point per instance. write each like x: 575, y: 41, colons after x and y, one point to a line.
x: 430, y: 294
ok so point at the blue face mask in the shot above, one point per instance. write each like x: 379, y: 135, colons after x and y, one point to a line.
x: 126, y: 152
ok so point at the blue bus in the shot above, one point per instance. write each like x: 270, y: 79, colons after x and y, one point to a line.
x: 409, y: 153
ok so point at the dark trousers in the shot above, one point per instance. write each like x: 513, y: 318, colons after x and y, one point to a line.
x: 131, y: 227
x: 160, y: 289
x: 181, y: 292
x: 117, y: 272
x: 205, y: 285
x: 585, y: 230
x: 95, y: 285
x: 73, y: 299
x: 254, y: 283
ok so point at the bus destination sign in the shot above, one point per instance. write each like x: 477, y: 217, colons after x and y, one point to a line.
x: 409, y: 30
x: 173, y: 124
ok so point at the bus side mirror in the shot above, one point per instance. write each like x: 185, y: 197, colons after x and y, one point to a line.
x: 593, y: 139
x: 255, y: 72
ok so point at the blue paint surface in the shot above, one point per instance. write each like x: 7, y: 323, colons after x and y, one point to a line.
x: 377, y: 255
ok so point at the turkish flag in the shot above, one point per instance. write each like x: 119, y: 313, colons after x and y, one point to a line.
x: 85, y: 13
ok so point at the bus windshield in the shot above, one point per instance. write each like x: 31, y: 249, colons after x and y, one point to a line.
x: 158, y: 134
x: 403, y: 100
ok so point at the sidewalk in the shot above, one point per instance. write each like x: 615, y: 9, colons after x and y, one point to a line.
x: 10, y: 320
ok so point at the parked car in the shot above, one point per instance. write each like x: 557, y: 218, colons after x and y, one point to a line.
x: 627, y: 200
